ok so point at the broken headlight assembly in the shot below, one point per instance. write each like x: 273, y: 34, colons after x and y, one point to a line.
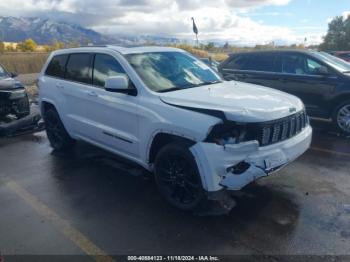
x: 227, y: 133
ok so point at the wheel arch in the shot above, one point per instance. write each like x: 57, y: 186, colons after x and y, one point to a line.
x: 337, y: 101
x: 45, y: 105
x: 162, y: 138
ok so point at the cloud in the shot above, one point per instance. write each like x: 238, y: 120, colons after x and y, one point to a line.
x: 220, y: 19
x: 346, y: 14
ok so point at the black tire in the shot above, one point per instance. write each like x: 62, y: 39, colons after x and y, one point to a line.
x: 177, y: 176
x: 339, y: 115
x: 56, y: 132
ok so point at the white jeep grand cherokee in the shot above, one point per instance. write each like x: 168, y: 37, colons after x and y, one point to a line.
x: 173, y: 115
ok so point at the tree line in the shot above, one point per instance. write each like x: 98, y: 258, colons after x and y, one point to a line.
x: 338, y: 35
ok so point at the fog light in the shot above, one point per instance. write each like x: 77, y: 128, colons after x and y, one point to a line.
x: 238, y: 169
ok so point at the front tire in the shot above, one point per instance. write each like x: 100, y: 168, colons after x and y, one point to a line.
x: 341, y: 118
x: 56, y: 132
x: 177, y: 176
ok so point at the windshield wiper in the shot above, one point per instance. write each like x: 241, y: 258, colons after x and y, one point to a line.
x: 210, y: 83
x: 170, y: 89
x: 188, y: 86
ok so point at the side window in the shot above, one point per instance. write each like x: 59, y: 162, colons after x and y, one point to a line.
x: 261, y: 62
x: 56, y: 66
x: 104, y: 67
x: 293, y: 64
x: 79, y: 68
x: 314, y: 68
x: 237, y: 62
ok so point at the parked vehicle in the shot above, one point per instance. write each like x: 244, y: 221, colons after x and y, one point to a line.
x: 13, y: 97
x: 345, y: 55
x: 320, y: 80
x: 173, y: 115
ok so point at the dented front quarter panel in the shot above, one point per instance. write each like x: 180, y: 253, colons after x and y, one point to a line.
x: 214, y: 160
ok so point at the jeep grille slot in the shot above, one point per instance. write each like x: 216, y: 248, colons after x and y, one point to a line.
x: 276, y: 131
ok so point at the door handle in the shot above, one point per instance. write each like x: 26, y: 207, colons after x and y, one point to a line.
x: 283, y: 80
x: 92, y: 93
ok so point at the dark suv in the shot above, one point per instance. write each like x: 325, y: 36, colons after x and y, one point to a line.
x: 321, y: 80
x: 13, y: 96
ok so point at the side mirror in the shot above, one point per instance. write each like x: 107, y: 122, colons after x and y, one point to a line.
x: 13, y: 75
x: 119, y: 84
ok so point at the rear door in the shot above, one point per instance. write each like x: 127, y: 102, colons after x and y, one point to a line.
x: 78, y: 77
x: 300, y: 75
x: 53, y: 83
x: 255, y: 68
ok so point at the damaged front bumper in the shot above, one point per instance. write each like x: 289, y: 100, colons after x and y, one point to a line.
x: 14, y: 102
x: 29, y: 124
x: 234, y: 166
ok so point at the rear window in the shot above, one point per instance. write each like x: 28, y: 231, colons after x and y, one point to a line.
x: 79, y: 68
x: 57, y: 65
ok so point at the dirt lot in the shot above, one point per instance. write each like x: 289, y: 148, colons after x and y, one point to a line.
x: 90, y: 202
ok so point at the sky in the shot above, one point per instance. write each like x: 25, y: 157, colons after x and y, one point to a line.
x: 242, y: 22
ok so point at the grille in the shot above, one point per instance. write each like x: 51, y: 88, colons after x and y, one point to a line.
x: 21, y: 106
x: 5, y: 107
x: 269, y: 133
x: 18, y: 106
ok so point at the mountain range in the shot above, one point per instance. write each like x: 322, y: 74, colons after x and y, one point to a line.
x: 46, y: 31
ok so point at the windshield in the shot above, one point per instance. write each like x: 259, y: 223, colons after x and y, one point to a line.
x: 169, y: 71
x: 335, y: 62
x: 3, y: 73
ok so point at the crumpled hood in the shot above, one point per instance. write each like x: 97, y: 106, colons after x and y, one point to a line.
x: 9, y: 84
x: 239, y: 101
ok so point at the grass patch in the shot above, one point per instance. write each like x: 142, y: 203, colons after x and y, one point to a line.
x: 202, y: 53
x: 32, y: 62
x: 23, y: 63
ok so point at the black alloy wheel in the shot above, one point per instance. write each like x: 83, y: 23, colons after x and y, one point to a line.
x: 56, y: 133
x: 177, y: 176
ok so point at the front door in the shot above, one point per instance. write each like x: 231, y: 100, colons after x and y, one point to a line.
x: 302, y: 76
x: 115, y: 114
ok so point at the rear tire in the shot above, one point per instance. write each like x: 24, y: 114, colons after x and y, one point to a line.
x: 56, y: 132
x: 341, y: 118
x: 177, y: 176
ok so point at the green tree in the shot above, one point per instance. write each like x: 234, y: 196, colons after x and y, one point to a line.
x: 226, y: 46
x: 28, y: 45
x: 338, y: 35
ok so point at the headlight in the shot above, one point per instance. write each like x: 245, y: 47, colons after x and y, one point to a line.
x: 227, y: 133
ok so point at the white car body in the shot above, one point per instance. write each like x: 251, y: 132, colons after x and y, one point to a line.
x: 127, y: 125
